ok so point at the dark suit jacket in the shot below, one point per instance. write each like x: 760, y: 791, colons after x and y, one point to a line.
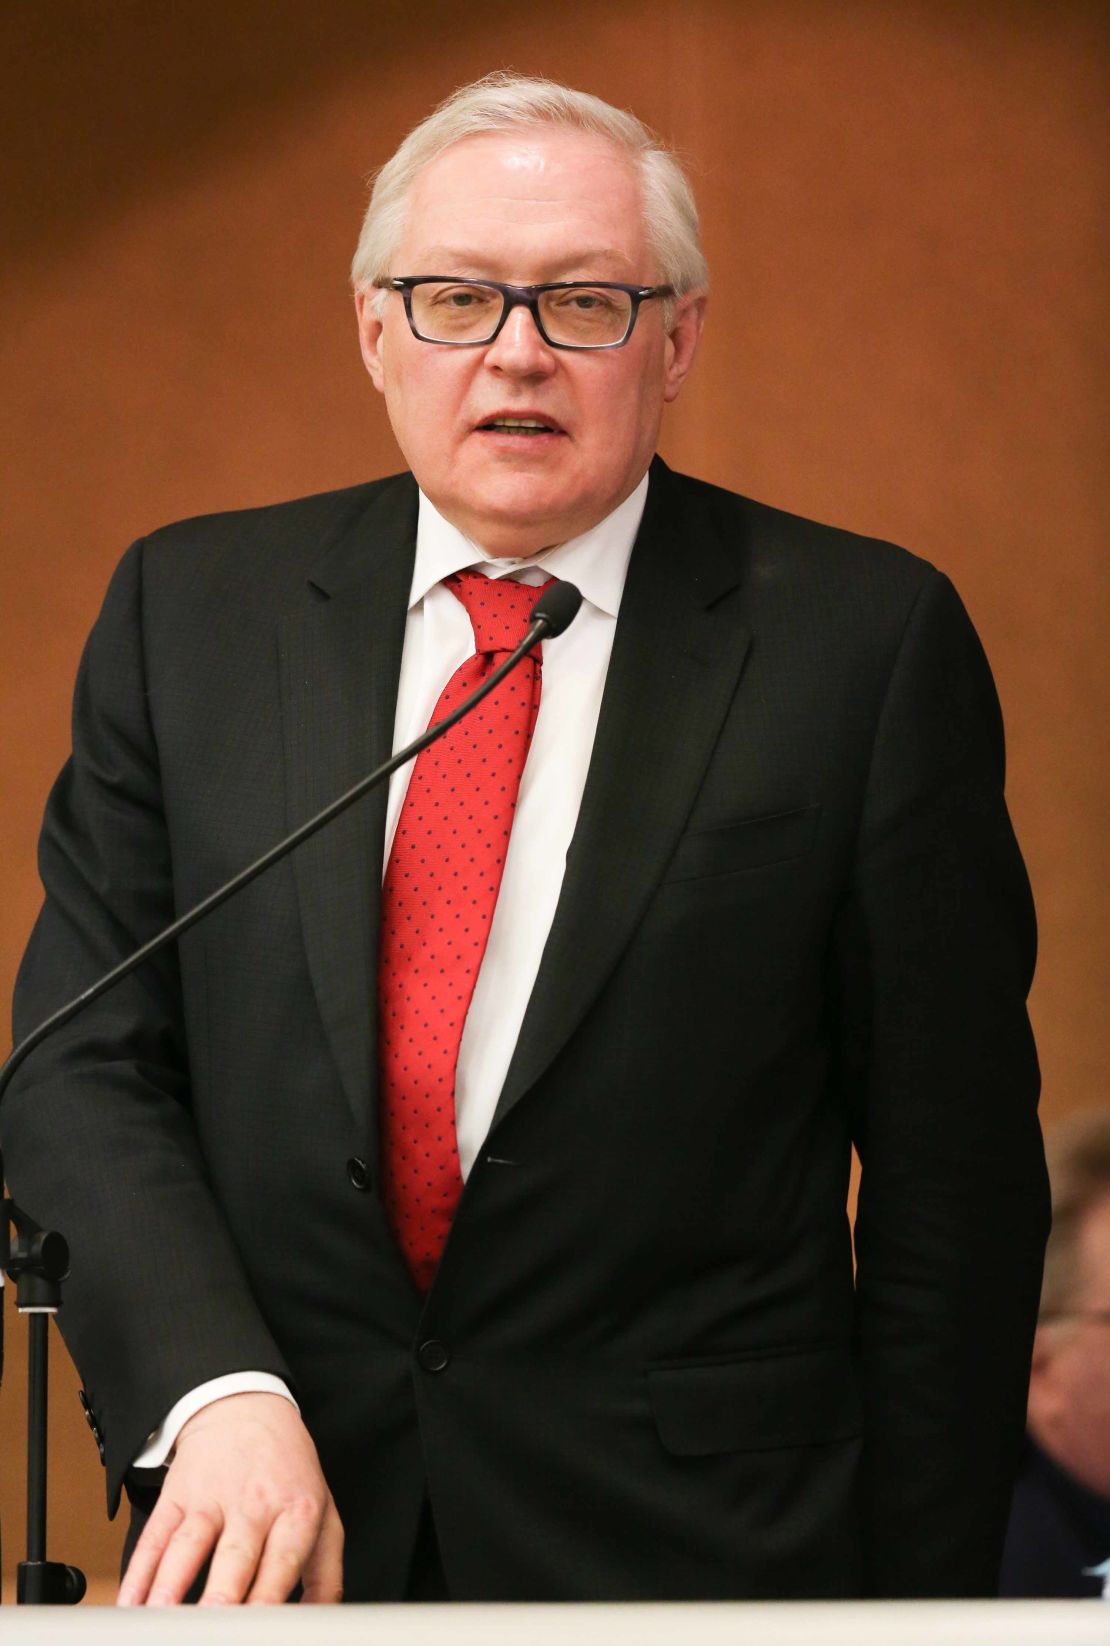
x: 794, y: 916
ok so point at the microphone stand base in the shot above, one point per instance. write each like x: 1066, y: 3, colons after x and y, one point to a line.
x: 48, y: 1583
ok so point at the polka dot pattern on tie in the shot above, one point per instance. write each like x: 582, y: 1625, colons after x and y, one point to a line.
x: 438, y: 899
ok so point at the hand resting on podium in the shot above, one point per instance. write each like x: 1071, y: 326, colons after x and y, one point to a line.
x: 245, y: 1487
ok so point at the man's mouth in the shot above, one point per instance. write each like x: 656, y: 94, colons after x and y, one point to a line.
x: 526, y: 427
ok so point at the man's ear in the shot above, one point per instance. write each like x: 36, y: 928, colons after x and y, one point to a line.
x: 370, y: 336
x: 682, y: 341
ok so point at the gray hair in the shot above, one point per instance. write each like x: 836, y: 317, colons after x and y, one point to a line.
x: 510, y: 102
x: 1078, y: 1154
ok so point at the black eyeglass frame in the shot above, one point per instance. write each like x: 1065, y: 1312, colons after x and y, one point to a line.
x: 527, y: 297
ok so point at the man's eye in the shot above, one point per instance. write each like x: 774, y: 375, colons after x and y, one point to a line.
x: 459, y: 297
x: 583, y: 301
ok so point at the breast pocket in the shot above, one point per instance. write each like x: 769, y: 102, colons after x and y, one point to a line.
x: 751, y: 843
x: 785, y: 1397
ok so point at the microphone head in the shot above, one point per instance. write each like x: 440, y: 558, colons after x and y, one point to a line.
x: 557, y: 606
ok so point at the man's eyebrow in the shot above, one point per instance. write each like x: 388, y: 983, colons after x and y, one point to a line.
x: 474, y: 265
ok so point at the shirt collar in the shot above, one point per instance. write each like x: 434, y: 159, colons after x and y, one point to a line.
x: 596, y: 562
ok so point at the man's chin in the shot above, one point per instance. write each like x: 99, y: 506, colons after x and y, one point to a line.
x: 518, y: 518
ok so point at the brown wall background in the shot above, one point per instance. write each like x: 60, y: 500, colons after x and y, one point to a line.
x: 904, y: 211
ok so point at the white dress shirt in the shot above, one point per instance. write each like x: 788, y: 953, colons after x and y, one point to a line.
x: 438, y: 638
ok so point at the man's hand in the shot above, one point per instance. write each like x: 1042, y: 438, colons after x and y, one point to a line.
x: 245, y: 1487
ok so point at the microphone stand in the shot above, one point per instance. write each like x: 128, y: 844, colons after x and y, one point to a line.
x: 38, y: 1259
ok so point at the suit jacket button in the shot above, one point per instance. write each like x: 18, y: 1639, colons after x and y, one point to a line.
x: 100, y: 1449
x: 357, y: 1173
x: 432, y: 1356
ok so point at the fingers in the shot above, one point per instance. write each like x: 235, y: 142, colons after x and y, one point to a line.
x: 148, y: 1551
x: 323, y: 1574
x: 245, y: 1546
x: 303, y: 1545
x: 171, y: 1551
x: 293, y: 1537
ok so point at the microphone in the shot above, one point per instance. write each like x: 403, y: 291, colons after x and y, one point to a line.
x: 557, y: 606
x: 554, y: 611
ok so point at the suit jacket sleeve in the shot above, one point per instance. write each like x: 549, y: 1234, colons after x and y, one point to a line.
x: 98, y: 1135
x: 935, y: 950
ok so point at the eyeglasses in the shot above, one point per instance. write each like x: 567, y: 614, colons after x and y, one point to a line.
x: 568, y: 315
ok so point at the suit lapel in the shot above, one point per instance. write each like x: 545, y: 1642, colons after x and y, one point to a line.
x: 340, y: 658
x: 677, y: 656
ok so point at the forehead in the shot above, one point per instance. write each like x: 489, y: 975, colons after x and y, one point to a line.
x: 535, y: 203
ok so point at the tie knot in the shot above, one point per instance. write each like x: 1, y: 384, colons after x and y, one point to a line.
x: 498, y: 608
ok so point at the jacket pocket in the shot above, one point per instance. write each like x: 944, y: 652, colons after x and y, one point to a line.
x: 785, y: 1397
x: 749, y: 844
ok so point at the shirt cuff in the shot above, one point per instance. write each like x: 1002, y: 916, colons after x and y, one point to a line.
x: 160, y: 1444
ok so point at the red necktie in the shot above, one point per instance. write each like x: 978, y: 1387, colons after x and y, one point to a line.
x: 438, y: 899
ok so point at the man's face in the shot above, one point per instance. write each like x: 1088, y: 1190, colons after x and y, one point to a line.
x: 527, y: 207
x: 1069, y: 1392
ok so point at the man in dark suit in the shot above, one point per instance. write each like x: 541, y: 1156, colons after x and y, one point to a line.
x: 760, y: 899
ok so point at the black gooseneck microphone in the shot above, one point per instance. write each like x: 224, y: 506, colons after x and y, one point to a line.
x: 553, y: 612
x: 39, y: 1259
x: 557, y: 606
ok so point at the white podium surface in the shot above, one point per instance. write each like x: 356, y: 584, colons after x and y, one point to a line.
x: 847, y: 1623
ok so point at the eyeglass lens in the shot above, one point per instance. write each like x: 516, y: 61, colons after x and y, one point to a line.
x: 581, y: 316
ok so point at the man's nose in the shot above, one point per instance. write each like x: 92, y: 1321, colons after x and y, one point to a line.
x: 519, y: 347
